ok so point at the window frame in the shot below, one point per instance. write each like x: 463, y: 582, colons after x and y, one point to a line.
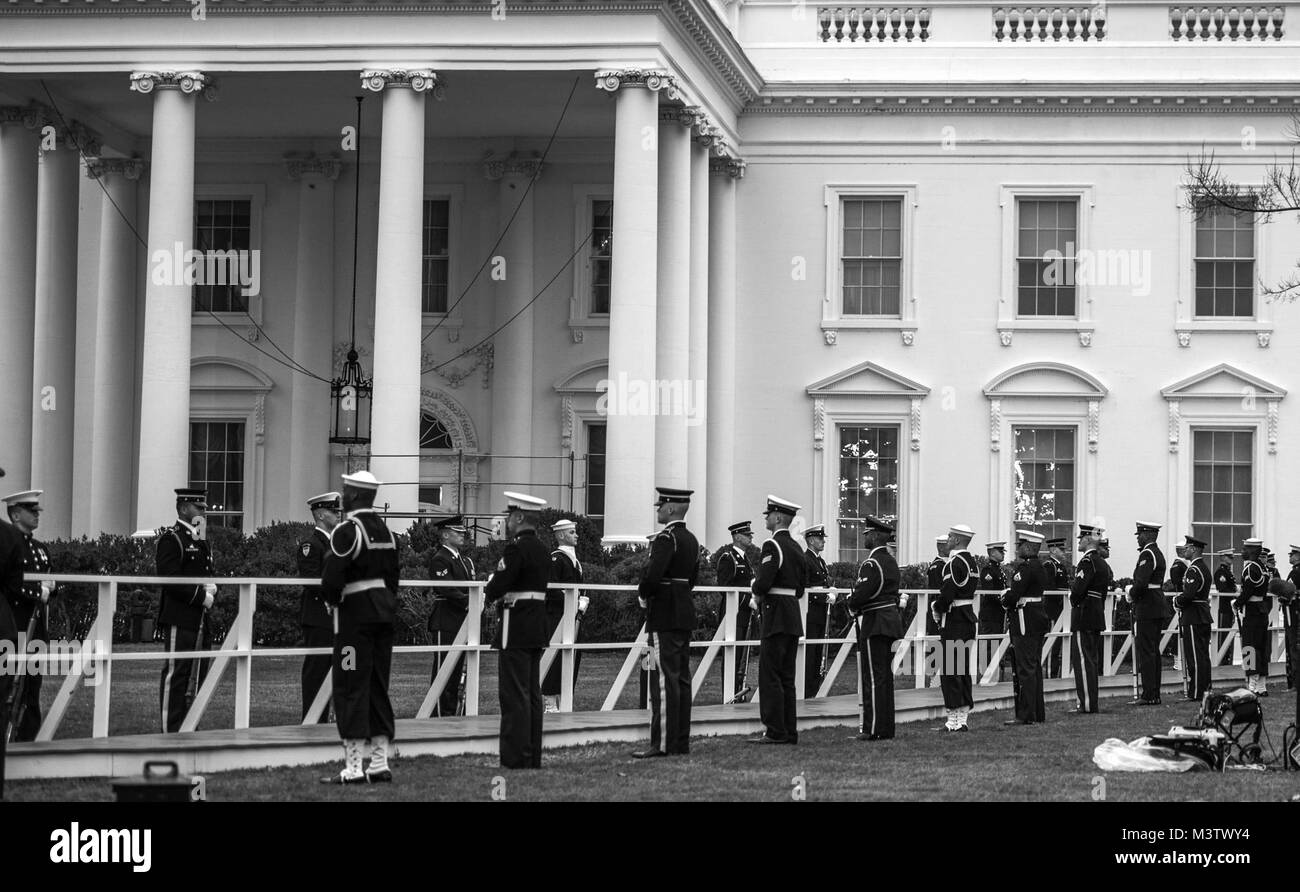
x: 1186, y: 322
x: 453, y: 320
x: 209, y: 416
x: 255, y: 195
x: 1195, y: 427
x: 581, y: 318
x: 1009, y: 319
x: 834, y: 516
x: 1078, y: 460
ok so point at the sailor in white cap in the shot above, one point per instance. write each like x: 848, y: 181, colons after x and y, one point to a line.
x: 1291, y: 619
x: 1149, y: 611
x: 1024, y: 602
x: 955, y: 609
x: 1253, y: 607
x: 29, y: 608
x: 519, y: 583
x: 450, y: 607
x: 777, y: 590
x: 316, y: 619
x: 360, y: 580
x: 565, y: 568
x: 182, y: 550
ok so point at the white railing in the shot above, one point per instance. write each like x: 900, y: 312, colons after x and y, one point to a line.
x: 916, y: 654
x: 873, y: 24
x: 1040, y: 24
x: 1258, y: 23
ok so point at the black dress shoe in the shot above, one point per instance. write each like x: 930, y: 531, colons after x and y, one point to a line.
x: 341, y: 779
x: 1142, y: 702
x: 1016, y: 722
x: 769, y: 741
x: 648, y: 754
x: 384, y: 776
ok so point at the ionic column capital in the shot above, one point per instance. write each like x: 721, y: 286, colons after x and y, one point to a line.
x: 728, y: 166
x: 421, y: 80
x: 495, y: 168
x: 28, y: 115
x: 73, y: 135
x: 101, y: 168
x: 684, y: 115
x: 611, y: 80
x: 163, y: 79
x: 313, y: 165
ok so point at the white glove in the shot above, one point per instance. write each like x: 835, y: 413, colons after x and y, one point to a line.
x: 753, y: 603
x: 642, y: 602
x: 902, y: 601
x: 207, y: 601
x: 210, y: 589
x: 47, y: 589
x: 831, y: 596
x: 583, y: 601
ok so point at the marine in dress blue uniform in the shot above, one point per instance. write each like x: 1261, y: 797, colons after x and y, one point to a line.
x: 1253, y: 606
x: 29, y: 607
x: 180, y: 552
x: 1023, y: 600
x: 1194, y: 619
x: 955, y: 607
x: 315, y: 618
x: 1149, y: 611
x: 450, y: 606
x: 1088, y: 618
x: 818, y: 576
x: 777, y: 589
x: 874, y: 607
x: 733, y: 569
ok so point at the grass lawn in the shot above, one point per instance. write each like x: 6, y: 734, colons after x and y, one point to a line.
x: 1048, y: 762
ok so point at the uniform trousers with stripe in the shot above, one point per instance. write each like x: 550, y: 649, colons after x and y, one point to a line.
x: 363, y: 659
x: 1255, y: 644
x: 954, y: 672
x: 1289, y: 637
x: 744, y: 631
x: 449, y: 701
x: 176, y: 674
x: 815, y: 628
x: 1085, y: 663
x: 1030, y: 705
x: 670, y: 693
x: 1196, y: 658
x: 1146, y: 633
x: 777, y: 706
x: 876, y: 683
x: 519, y: 687
x: 315, y: 669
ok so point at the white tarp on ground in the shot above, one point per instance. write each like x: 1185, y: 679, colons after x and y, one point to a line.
x: 1140, y: 755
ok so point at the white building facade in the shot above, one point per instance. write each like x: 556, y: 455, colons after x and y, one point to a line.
x: 933, y: 263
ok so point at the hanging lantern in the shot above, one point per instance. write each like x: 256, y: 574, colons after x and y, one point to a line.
x: 350, y: 394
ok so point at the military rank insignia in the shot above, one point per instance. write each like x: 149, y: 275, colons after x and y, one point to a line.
x: 306, y: 549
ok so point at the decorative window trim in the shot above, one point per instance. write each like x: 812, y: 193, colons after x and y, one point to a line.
x: 439, y: 467
x: 1008, y: 319
x: 453, y: 320
x: 581, y: 319
x: 1185, y: 321
x: 255, y: 194
x: 833, y: 319
x: 242, y: 400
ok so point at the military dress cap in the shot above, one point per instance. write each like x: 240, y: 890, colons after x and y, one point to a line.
x: 1256, y: 543
x: 818, y: 530
x: 332, y: 500
x: 992, y: 545
x: 962, y: 529
x: 453, y: 522
x: 1088, y: 529
x: 781, y: 506
x: 1104, y: 543
x: 668, y: 496
x: 1029, y: 536
x: 1229, y: 553
x: 28, y: 498
x: 361, y: 480
x: 1193, y: 541
x: 739, y: 529
x: 518, y: 501
x: 561, y: 526
x: 875, y: 523
x: 941, y: 539
x: 192, y: 494
x: 1148, y: 525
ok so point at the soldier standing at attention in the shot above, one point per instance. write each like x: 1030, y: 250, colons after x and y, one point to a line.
x: 992, y: 618
x: 11, y: 584
x: 874, y: 606
x: 666, y: 588
x: 564, y: 568
x: 1148, y: 613
x: 181, y: 552
x: 733, y: 570
x: 519, y: 583
x: 777, y: 590
x: 1253, y: 608
x: 956, y: 611
x: 315, y: 618
x: 1023, y: 600
x: 450, y: 605
x: 1194, y: 619
x: 1088, y: 618
x: 360, y: 580
x: 25, y: 517
x: 934, y: 580
x: 1291, y: 619
x: 1174, y: 588
x: 1057, y: 565
x: 818, y: 576
x: 1225, y: 583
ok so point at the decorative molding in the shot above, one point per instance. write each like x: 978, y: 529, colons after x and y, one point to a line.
x: 484, y: 358
x: 684, y: 115
x: 30, y: 116
x: 1065, y: 381
x: 577, y: 335
x: 566, y: 422
x: 813, y: 99
x: 259, y: 419
x: 1184, y: 339
x: 459, y: 425
x: 1175, y: 424
x: 495, y: 168
x: 421, y: 80
x: 995, y: 425
x: 831, y: 336
x: 909, y: 336
x: 164, y: 79
x: 916, y: 424
x: 1085, y: 338
x: 1272, y: 426
x: 1005, y: 335
x: 728, y: 166
x: 1094, y: 424
x: 819, y: 424
x: 313, y: 165
x: 1263, y: 337
x: 73, y: 135
x: 341, y: 356
x: 612, y: 80
x: 101, y: 168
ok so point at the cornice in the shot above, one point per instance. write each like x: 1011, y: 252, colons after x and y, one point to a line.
x: 1098, y: 102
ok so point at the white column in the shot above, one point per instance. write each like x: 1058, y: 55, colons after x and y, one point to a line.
x: 630, y: 437
x: 696, y: 392
x: 672, y: 334
x: 721, y: 423
x: 18, y: 150
x: 164, y: 461
x: 313, y: 331
x: 512, y: 367
x: 112, y: 379
x: 54, y: 358
x: 395, y: 423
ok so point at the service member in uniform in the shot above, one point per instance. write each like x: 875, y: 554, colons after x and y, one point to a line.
x: 818, y: 576
x: 777, y: 590
x: 1023, y: 600
x: 733, y: 570
x: 1088, y: 618
x: 181, y: 552
x: 360, y: 581
x: 450, y: 606
x: 955, y: 608
x: 874, y: 606
x: 1174, y: 588
x: 992, y: 618
x: 1225, y: 583
x: 1253, y: 607
x: 1194, y: 618
x: 1146, y: 595
x: 564, y: 568
x: 933, y: 580
x: 666, y: 588
x: 29, y: 608
x: 1057, y: 566
x: 11, y: 584
x: 1291, y: 619
x: 519, y: 583
x: 316, y: 620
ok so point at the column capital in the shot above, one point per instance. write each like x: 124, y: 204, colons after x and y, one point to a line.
x: 685, y: 115
x: 73, y: 135
x: 494, y: 168
x: 312, y: 165
x: 165, y: 79
x: 732, y: 167
x: 421, y: 80
x: 611, y: 80
x: 28, y: 115
x: 101, y: 168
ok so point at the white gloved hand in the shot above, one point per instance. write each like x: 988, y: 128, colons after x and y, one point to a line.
x: 583, y: 602
x: 47, y: 589
x: 210, y: 588
x: 642, y: 602
x: 753, y: 603
x: 831, y: 596
x: 902, y: 602
x: 207, y: 601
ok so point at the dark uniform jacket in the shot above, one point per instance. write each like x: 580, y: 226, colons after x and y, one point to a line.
x: 1224, y: 581
x: 563, y: 569
x: 733, y: 569
x: 311, y: 564
x: 817, y: 574
x: 524, y: 567
x: 180, y: 554
x: 934, y: 572
x: 35, y: 559
x: 1147, y: 590
x: 957, y: 620
x: 450, y: 605
x: 781, y: 567
x: 669, y: 579
x: 875, y: 596
x: 11, y: 579
x: 1194, y: 602
x: 1088, y: 593
x: 1028, y: 581
x: 360, y: 574
x: 1254, y: 584
x: 992, y: 580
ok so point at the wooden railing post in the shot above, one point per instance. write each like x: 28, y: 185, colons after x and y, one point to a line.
x: 103, y: 632
x: 473, y: 638
x: 568, y: 635
x: 729, y: 650
x: 244, y: 643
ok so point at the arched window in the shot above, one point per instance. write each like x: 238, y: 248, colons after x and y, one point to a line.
x: 433, y: 433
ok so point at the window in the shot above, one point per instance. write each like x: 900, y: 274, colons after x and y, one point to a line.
x: 1045, y: 282
x: 222, y: 225
x: 1225, y: 264
x: 1044, y: 481
x: 871, y: 256
x: 217, y: 465
x: 430, y: 497
x: 433, y: 434
x: 601, y: 254
x: 435, y: 251
x: 596, y: 471
x: 868, y: 483
x: 1222, y: 487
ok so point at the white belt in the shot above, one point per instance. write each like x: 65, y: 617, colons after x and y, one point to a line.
x: 783, y: 591
x: 1024, y: 601
x: 963, y: 602
x: 1155, y: 585
x: 1255, y: 599
x: 877, y: 607
x: 512, y: 597
x: 1096, y: 594
x: 362, y: 585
